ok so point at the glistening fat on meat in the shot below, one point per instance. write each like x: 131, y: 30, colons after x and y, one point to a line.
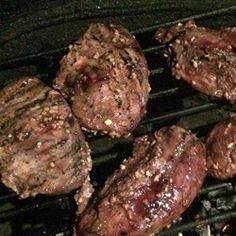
x: 152, y: 188
x: 105, y: 77
x: 205, y: 58
x: 42, y: 148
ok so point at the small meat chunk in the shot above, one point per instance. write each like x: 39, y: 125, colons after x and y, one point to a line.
x: 105, y: 77
x: 221, y: 149
x: 205, y: 58
x: 152, y: 188
x: 42, y: 148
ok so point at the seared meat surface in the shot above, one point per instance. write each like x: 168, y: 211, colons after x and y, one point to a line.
x: 105, y: 76
x: 151, y: 188
x: 204, y: 58
x: 221, y: 149
x: 42, y: 148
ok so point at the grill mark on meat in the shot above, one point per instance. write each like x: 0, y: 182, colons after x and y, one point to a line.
x: 117, y: 98
x: 39, y: 104
x: 73, y: 152
x: 19, y: 93
x: 15, y: 133
x: 18, y: 102
x: 21, y: 112
x: 131, y: 65
x: 59, y: 145
x: 42, y: 149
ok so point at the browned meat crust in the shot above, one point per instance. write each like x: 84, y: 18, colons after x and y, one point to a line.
x: 42, y: 148
x: 151, y: 189
x: 105, y: 76
x: 221, y: 149
x: 204, y: 58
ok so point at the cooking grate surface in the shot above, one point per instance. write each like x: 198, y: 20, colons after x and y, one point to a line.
x: 170, y: 102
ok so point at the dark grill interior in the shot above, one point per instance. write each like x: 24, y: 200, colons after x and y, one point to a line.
x: 34, y: 43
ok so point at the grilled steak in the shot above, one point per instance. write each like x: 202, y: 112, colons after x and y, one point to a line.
x: 151, y: 189
x: 221, y: 149
x: 42, y: 148
x: 105, y: 76
x: 204, y: 58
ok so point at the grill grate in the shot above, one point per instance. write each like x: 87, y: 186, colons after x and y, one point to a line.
x: 170, y: 102
x: 121, y: 11
x: 221, y: 11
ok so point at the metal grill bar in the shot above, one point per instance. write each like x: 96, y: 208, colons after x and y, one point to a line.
x: 199, y: 222
x: 179, y: 113
x: 194, y: 17
x: 164, y: 93
x: 153, y: 49
x: 4, y: 198
x: 8, y: 214
x: 207, y: 189
x: 157, y: 71
x: 84, y: 14
x: 105, y: 158
x: 52, y: 230
x: 26, y: 59
x: 143, y: 30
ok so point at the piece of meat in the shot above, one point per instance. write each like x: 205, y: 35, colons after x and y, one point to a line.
x: 105, y: 77
x: 204, y: 58
x: 42, y: 148
x: 151, y: 189
x: 221, y: 149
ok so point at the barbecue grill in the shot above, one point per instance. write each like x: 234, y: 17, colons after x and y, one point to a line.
x: 35, y: 35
